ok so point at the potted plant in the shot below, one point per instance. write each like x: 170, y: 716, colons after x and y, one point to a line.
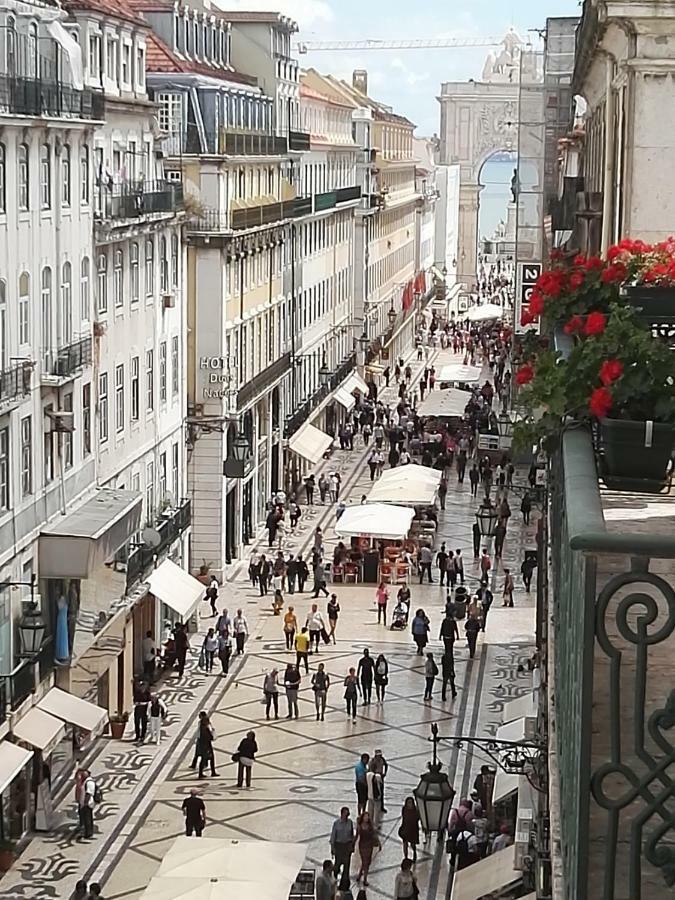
x: 118, y: 723
x: 7, y: 854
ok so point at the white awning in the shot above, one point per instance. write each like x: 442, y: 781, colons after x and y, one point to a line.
x: 409, y: 485
x: 254, y: 862
x: 376, y: 520
x: 486, y: 877
x: 310, y: 443
x: 74, y: 710
x: 40, y: 730
x: 520, y: 708
x: 506, y: 784
x: 12, y: 760
x: 460, y: 374
x: 448, y: 402
x: 344, y: 398
x: 484, y: 312
x: 355, y: 383
x: 199, y: 888
x: 177, y: 588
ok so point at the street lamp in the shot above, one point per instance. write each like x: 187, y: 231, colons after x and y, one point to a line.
x: 238, y: 457
x: 391, y: 315
x: 324, y: 371
x: 504, y: 425
x: 434, y: 794
x: 363, y: 342
x: 31, y: 625
x: 487, y: 518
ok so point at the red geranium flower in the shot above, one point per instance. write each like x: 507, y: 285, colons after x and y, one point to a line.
x: 575, y: 325
x: 610, y: 370
x: 527, y: 317
x: 600, y: 402
x: 594, y: 262
x: 580, y: 260
x: 576, y: 280
x: 614, y: 251
x: 614, y: 273
x: 525, y: 374
x: 596, y: 322
x: 536, y: 303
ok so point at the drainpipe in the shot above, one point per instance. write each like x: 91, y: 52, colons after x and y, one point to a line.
x: 610, y: 148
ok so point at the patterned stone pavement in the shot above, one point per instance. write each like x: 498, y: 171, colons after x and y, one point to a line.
x: 304, y: 772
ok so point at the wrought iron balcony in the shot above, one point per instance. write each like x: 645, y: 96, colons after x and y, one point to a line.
x: 257, y: 216
x: 224, y: 143
x: 263, y: 380
x: 170, y: 525
x: 251, y: 144
x: 16, y: 686
x: 311, y: 403
x: 298, y: 140
x: 41, y: 97
x: 209, y: 220
x: 65, y: 363
x: 15, y: 382
x: 324, y: 201
x: 134, y: 200
x: 345, y: 194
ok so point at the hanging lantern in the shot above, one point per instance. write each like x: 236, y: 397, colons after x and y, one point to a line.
x: 32, y: 630
x: 487, y: 519
x: 434, y: 796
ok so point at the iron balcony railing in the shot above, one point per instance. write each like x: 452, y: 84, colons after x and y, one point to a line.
x: 293, y: 422
x: 256, y: 216
x: 169, y: 525
x: 39, y: 97
x: 16, y: 686
x: 70, y: 359
x: 298, y: 140
x: 224, y: 143
x: 324, y: 201
x: 263, y: 380
x: 15, y: 382
x: 345, y: 194
x: 136, y: 199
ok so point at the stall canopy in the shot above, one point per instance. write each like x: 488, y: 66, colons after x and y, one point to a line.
x: 505, y: 783
x: 344, y: 398
x: 484, y: 312
x: 486, y: 877
x: 253, y: 862
x: 355, y: 383
x: 460, y: 374
x: 176, y: 587
x: 407, y: 486
x: 196, y: 888
x: 12, y: 760
x: 378, y: 520
x: 445, y: 403
x: 310, y: 443
x: 73, y: 710
x: 40, y: 730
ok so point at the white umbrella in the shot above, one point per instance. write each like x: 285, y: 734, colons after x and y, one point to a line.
x: 376, y: 520
x: 235, y: 860
x: 449, y: 402
x: 407, y: 486
x: 411, y: 472
x: 460, y: 374
x: 198, y: 888
x: 484, y: 312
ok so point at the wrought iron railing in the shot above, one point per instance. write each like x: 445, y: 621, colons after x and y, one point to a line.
x: 307, y: 407
x: 224, y: 143
x: 324, y: 201
x: 169, y: 525
x: 16, y: 686
x: 141, y: 198
x: 40, y: 97
x: 613, y: 643
x: 343, y: 195
x: 256, y: 216
x: 70, y: 359
x: 298, y: 140
x: 15, y: 382
x: 263, y: 380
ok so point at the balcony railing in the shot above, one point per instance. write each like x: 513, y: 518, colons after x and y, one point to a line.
x: 69, y: 360
x: 243, y: 144
x: 16, y: 686
x: 224, y: 143
x: 256, y: 216
x: 136, y: 199
x: 170, y: 525
x: 298, y: 140
x: 263, y: 380
x: 15, y: 382
x: 324, y: 201
x: 345, y: 194
x: 210, y: 220
x: 38, y: 97
x: 293, y: 422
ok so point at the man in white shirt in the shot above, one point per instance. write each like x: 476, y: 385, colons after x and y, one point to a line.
x: 88, y: 807
x: 240, y: 631
x: 315, y: 625
x: 158, y: 712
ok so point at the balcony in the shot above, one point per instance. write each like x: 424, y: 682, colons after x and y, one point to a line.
x: 611, y: 641
x: 64, y: 364
x: 137, y: 199
x: 263, y: 380
x: 298, y: 140
x: 310, y: 404
x: 16, y: 686
x: 209, y: 220
x: 37, y: 97
x: 347, y: 194
x: 15, y: 383
x: 251, y: 144
x: 170, y: 525
x: 324, y: 201
x: 258, y: 216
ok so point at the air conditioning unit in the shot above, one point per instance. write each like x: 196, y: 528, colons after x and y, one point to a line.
x: 523, y: 835
x: 63, y: 421
x: 168, y: 301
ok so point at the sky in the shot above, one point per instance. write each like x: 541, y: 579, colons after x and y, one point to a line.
x: 409, y: 80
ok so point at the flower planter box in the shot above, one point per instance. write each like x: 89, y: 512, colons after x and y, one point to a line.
x: 655, y: 305
x: 631, y: 458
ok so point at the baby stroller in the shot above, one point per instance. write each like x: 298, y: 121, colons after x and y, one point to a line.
x: 399, y: 619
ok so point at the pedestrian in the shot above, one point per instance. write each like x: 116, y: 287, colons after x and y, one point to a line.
x: 209, y: 650
x: 405, y: 883
x: 351, y: 685
x: 315, y: 626
x: 365, y: 672
x: 294, y: 513
x: 408, y: 374
x: 409, y: 829
x: 334, y: 486
x: 508, y: 588
x: 476, y: 539
x: 485, y: 564
x: 292, y: 686
x: 432, y: 378
x: 442, y: 563
x: 320, y: 685
x: 420, y: 630
x: 425, y: 560
x: 381, y: 598
x: 527, y: 570
x: 500, y: 535
x: 205, y: 747
x: 212, y: 596
x: 202, y: 715
x: 480, y: 830
x: 158, y: 712
x: 182, y: 646
x: 320, y: 579
x: 380, y: 767
x: 448, y: 674
x: 472, y: 627
x: 461, y: 466
x: 81, y: 891
x: 423, y: 387
x: 503, y: 839
x: 245, y: 757
x: 325, y: 885
x: 342, y: 843
x: 483, y: 785
x: 194, y: 812
x: 430, y: 673
x: 240, y: 631
x: 310, y: 482
x: 253, y: 569
x: 449, y: 632
x: 141, y: 701
x: 474, y: 479
x: 381, y: 676
x: 526, y: 508
x: 91, y: 796
x: 443, y: 491
x: 452, y: 571
x: 302, y: 648
x: 485, y: 598
x: 361, y: 781
x: 459, y: 565
x: 149, y: 651
x: 224, y: 624
x: 264, y: 572
x: 290, y: 627
x: 303, y: 573
x: 460, y: 829
x: 271, y: 693
x: 367, y: 840
x: 224, y: 652
x: 332, y: 611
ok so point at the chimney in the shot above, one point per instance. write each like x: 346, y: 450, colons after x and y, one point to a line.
x: 360, y: 81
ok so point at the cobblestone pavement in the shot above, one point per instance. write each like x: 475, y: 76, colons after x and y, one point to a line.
x: 304, y: 771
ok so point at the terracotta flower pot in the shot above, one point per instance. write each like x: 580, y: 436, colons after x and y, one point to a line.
x: 6, y: 860
x: 639, y: 451
x: 117, y: 730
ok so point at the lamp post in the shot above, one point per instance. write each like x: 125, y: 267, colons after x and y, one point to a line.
x: 324, y: 371
x: 31, y: 625
x: 505, y: 426
x: 434, y: 794
x: 487, y: 518
x: 238, y: 457
x: 391, y: 314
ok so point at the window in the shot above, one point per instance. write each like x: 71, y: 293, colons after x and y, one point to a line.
x: 118, y: 279
x: 150, y: 379
x: 135, y: 274
x: 84, y: 290
x: 26, y: 456
x: 45, y: 177
x: 119, y: 398
x: 48, y: 444
x: 86, y: 419
x: 95, y: 56
x: 175, y: 475
x: 135, y: 388
x: 149, y: 491
x: 163, y: 266
x: 24, y: 308
x: 174, y: 260
x: 170, y: 113
x: 175, y: 366
x: 84, y: 176
x: 65, y: 175
x: 103, y: 407
x: 67, y: 303
x: 162, y: 477
x: 140, y: 66
x: 126, y: 64
x: 149, y: 268
x: 24, y: 176
x: 33, y: 50
x: 67, y: 446
x: 162, y: 372
x: 102, y: 283
x: 46, y: 311
x: 4, y: 469
x: 111, y: 59
x: 3, y: 179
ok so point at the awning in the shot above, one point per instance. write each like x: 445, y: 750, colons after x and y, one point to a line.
x: 484, y: 312
x: 40, y: 730
x: 445, y: 403
x: 12, y: 760
x: 521, y: 707
x: 254, y: 862
x: 376, y: 520
x: 506, y: 784
x: 74, y: 710
x: 409, y: 485
x: 355, y: 383
x: 310, y: 443
x: 460, y: 374
x: 176, y: 587
x: 344, y: 398
x: 486, y: 877
x: 84, y: 539
x: 199, y: 888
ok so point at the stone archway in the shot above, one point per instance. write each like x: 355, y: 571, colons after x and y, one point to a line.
x: 478, y: 119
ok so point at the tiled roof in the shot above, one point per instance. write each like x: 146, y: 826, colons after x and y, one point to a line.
x: 119, y: 9
x: 161, y: 58
x: 273, y: 18
x: 307, y: 91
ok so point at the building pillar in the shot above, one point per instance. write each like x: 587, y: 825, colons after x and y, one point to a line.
x: 468, y: 233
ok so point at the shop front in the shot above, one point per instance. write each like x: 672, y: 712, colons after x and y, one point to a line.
x: 15, y: 778
x: 174, y: 595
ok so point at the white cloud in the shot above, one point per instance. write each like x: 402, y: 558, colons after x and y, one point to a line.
x: 307, y: 13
